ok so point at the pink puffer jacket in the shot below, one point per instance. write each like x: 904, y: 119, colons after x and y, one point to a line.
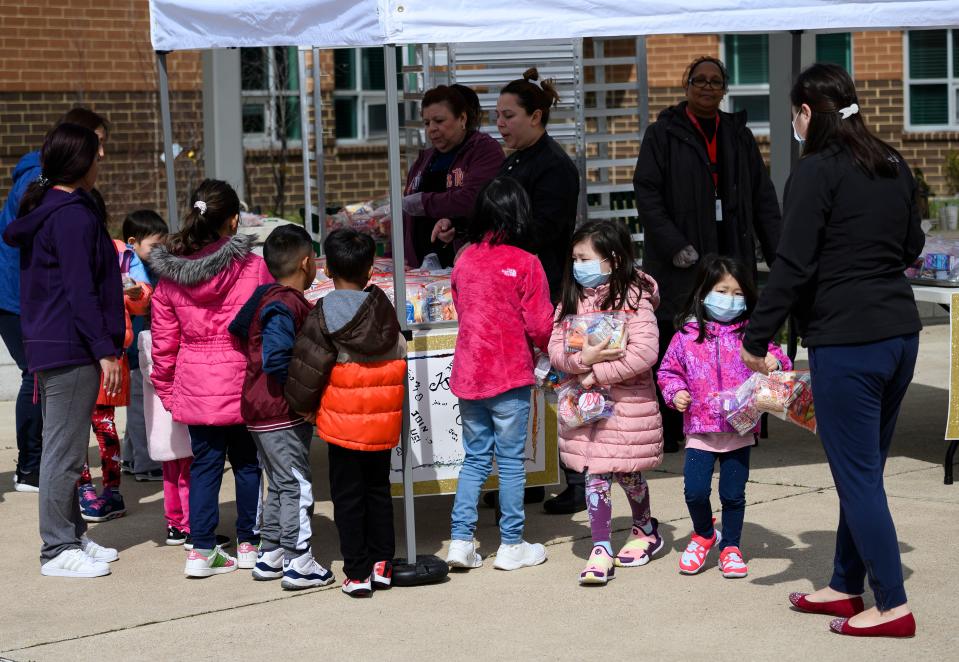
x: 198, y: 367
x: 632, y: 440
x: 706, y: 368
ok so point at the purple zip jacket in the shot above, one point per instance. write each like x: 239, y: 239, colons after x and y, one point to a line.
x: 71, y: 294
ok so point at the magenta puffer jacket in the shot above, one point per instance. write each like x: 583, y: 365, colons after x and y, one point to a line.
x: 632, y: 440
x: 198, y: 367
x: 706, y: 368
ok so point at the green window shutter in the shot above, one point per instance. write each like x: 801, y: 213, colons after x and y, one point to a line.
x: 748, y: 58
x: 927, y: 54
x: 929, y: 104
x: 253, y: 69
x: 373, y: 75
x: 955, y: 53
x: 835, y: 48
x: 345, y: 111
x: 344, y: 69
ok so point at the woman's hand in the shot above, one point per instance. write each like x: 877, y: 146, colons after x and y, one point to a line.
x: 754, y: 363
x: 592, y: 354
x: 682, y: 400
x: 112, y: 377
x: 444, y: 231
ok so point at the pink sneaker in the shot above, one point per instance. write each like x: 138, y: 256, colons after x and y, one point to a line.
x: 600, y: 568
x: 731, y: 563
x: 694, y: 557
x: 246, y: 555
x: 640, y: 548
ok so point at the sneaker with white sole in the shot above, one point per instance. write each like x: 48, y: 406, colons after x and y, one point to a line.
x: 304, y: 572
x: 269, y: 565
x: 520, y: 555
x: 358, y: 588
x: 731, y: 563
x: 600, y: 569
x: 640, y: 548
x: 246, y: 554
x: 463, y: 554
x: 98, y: 552
x: 74, y: 563
x: 694, y: 556
x: 217, y: 563
x: 26, y: 482
x: 382, y: 575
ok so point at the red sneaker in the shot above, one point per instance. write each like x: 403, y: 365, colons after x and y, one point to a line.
x: 694, y: 557
x: 382, y: 575
x: 731, y: 563
x: 358, y: 588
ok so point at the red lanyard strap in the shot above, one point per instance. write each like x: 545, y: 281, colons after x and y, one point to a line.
x: 711, y: 148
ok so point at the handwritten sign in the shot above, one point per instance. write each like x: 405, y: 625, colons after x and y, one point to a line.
x: 436, y: 434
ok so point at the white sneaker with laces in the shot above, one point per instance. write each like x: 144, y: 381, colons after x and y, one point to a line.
x: 246, y: 556
x: 98, y: 552
x: 463, y: 554
x: 305, y: 572
x: 269, y: 565
x: 74, y: 563
x: 521, y: 555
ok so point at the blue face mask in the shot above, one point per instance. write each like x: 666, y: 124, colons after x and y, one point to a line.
x: 724, y: 307
x: 589, y: 274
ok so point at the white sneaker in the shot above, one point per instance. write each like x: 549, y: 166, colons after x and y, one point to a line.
x: 304, y: 572
x: 246, y: 554
x: 463, y: 554
x: 98, y: 552
x: 269, y: 565
x: 522, y: 555
x: 74, y: 563
x: 217, y: 563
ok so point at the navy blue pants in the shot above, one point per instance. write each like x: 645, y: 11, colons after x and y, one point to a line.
x: 858, y: 390
x: 212, y: 445
x: 29, y: 418
x: 733, y: 474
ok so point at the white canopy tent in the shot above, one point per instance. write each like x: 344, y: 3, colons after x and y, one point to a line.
x: 206, y: 24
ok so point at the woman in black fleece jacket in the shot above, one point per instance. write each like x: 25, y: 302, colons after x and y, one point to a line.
x: 851, y: 227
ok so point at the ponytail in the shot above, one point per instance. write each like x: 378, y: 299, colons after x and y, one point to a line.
x: 68, y: 153
x: 213, y: 204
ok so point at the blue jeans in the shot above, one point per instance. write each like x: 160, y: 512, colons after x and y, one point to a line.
x: 29, y: 418
x: 858, y: 390
x: 212, y: 444
x: 494, y: 426
x: 733, y: 474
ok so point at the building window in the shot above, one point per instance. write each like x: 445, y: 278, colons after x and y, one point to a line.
x: 747, y: 60
x: 359, y: 96
x: 269, y: 81
x: 932, y: 79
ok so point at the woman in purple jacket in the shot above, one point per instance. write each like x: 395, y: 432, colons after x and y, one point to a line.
x: 71, y: 308
x: 442, y: 185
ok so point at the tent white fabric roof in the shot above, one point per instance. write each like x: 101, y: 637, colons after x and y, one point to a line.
x: 190, y: 24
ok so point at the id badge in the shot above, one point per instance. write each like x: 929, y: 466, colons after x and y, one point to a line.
x: 719, y: 210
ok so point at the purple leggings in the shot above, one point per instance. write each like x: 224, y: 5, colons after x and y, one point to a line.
x: 600, y: 506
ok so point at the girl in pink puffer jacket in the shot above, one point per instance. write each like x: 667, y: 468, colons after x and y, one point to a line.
x: 601, y: 277
x: 702, y: 360
x: 207, y: 272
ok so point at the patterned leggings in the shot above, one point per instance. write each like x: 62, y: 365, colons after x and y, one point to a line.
x: 105, y: 428
x: 600, y: 506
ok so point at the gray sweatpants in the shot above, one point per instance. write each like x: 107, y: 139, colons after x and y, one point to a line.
x: 285, y: 457
x: 68, y: 397
x: 134, y: 447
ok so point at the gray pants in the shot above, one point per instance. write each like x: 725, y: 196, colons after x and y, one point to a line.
x: 68, y: 397
x: 134, y: 449
x: 285, y: 456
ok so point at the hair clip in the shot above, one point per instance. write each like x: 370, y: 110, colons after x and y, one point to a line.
x: 849, y: 111
x: 43, y: 181
x: 199, y: 204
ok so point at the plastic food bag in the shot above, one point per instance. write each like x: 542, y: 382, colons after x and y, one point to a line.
x: 786, y: 395
x: 595, y: 329
x: 577, y: 406
x: 439, y: 297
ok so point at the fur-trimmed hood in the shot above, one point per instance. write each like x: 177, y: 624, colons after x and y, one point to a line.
x: 202, y: 266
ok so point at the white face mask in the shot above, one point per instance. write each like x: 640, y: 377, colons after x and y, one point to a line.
x: 799, y: 139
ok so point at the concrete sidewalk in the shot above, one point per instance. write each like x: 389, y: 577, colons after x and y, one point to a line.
x: 148, y: 609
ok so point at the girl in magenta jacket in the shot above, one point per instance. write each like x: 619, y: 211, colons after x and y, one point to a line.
x: 207, y: 272
x: 502, y: 298
x: 703, y: 359
x: 602, y: 277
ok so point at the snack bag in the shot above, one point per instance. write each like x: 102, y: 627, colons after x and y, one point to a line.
x: 577, y: 406
x: 595, y: 328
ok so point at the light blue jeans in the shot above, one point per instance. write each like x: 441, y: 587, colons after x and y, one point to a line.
x: 494, y: 426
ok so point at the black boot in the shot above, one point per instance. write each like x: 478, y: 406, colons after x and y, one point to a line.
x: 569, y: 501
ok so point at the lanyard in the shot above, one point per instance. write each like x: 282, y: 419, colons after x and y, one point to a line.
x: 710, y: 147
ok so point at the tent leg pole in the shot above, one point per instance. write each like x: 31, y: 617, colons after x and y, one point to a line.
x: 399, y: 281
x: 172, y: 215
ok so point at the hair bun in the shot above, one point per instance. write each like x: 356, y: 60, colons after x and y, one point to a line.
x: 531, y: 74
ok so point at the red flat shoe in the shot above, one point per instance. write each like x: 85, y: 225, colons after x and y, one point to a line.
x: 902, y: 628
x: 846, y: 608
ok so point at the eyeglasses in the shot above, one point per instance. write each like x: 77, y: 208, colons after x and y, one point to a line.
x: 710, y: 83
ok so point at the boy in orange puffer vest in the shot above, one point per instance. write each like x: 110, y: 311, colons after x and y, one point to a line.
x: 348, y: 369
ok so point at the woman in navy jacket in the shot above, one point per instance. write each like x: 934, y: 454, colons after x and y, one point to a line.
x: 851, y: 228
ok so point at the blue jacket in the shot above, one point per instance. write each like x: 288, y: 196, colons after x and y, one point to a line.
x: 26, y: 171
x: 139, y: 273
x: 72, y: 310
